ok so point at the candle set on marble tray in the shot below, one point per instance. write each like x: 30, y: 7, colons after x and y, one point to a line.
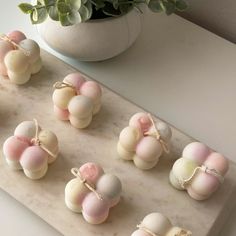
x: 92, y: 192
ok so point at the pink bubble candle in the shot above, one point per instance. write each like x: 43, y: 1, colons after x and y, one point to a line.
x: 143, y: 141
x: 156, y: 224
x: 76, y: 100
x: 92, y: 192
x: 200, y: 171
x: 31, y: 149
x: 19, y: 57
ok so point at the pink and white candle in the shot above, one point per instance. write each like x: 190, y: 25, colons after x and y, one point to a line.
x: 77, y: 100
x: 19, y: 57
x: 92, y: 192
x: 143, y: 141
x: 31, y: 149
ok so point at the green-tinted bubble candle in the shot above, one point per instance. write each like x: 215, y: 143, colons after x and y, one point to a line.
x: 19, y: 57
x: 200, y: 171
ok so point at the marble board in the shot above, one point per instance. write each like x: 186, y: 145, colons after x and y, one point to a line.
x: 143, y: 191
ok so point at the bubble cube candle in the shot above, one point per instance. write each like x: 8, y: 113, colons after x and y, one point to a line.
x: 19, y: 57
x: 92, y: 192
x: 76, y: 100
x: 143, y: 141
x: 155, y: 224
x: 200, y: 171
x: 31, y: 149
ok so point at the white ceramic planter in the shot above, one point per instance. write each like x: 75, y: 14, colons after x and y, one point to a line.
x: 94, y: 40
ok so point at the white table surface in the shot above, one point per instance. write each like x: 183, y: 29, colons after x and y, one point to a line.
x: 177, y: 70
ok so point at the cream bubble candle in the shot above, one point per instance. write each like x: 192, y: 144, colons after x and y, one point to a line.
x: 19, y: 57
x: 92, y: 192
x: 31, y: 149
x: 155, y: 224
x: 200, y: 171
x: 143, y: 141
x: 76, y: 100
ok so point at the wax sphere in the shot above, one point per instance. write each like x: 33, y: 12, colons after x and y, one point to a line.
x: 16, y: 36
x: 95, y: 211
x: 16, y: 61
x: 129, y: 138
x: 62, y: 97
x: 36, y: 66
x: 140, y: 233
x: 91, y: 172
x: 144, y: 165
x: 76, y: 80
x: 80, y: 106
x: 26, y: 129
x: 109, y: 185
x: 91, y: 90
x: 62, y: 114
x: 80, y: 123
x: 164, y: 130
x: 32, y: 47
x: 19, y: 78
x: 75, y: 193
x: 5, y: 47
x: 141, y: 120
x: 13, y: 147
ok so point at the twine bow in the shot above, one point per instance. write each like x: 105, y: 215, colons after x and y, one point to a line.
x: 62, y: 84
x: 15, y: 45
x: 182, y: 232
x: 76, y: 173
x: 205, y: 169
x: 145, y: 229
x: 36, y: 141
x: 157, y: 135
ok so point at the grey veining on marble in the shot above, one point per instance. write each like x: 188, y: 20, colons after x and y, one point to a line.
x: 143, y: 191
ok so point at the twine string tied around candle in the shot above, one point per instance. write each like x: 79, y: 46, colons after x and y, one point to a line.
x: 37, y: 141
x: 206, y: 170
x: 145, y: 229
x: 62, y: 84
x: 76, y: 173
x: 157, y: 135
x: 15, y: 45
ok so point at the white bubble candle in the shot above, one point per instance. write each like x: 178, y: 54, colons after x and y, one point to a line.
x: 156, y: 224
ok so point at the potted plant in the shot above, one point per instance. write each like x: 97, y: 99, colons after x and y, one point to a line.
x: 93, y: 30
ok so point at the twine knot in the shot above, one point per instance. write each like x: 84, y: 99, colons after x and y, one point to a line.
x: 62, y: 84
x: 157, y: 135
x: 204, y: 169
x: 15, y: 45
x: 76, y: 173
x: 36, y: 141
x: 145, y: 229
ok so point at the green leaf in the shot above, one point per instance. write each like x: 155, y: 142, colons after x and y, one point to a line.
x: 53, y: 13
x: 169, y: 7
x: 63, y: 18
x: 38, y: 15
x: 84, y: 13
x: 90, y: 9
x: 155, y: 6
x: 110, y: 11
x: 49, y: 2
x: 26, y: 7
x: 62, y: 7
x: 181, y: 5
x: 124, y: 8
x: 74, y: 17
x: 75, y: 4
x: 98, y: 4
